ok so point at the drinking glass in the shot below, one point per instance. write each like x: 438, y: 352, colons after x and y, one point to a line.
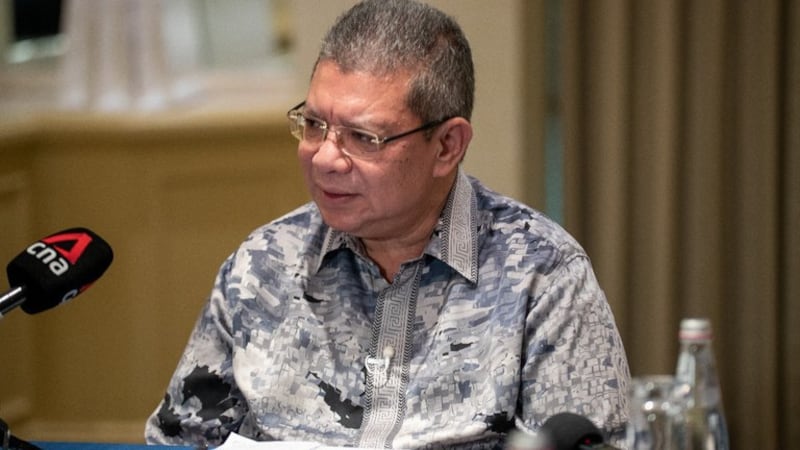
x: 656, y: 410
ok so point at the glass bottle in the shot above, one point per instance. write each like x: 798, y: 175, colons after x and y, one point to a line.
x: 704, y: 420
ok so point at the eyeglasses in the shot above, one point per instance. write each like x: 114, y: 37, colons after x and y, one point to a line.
x: 352, y: 141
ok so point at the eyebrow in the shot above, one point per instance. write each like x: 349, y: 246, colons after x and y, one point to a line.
x: 370, y: 126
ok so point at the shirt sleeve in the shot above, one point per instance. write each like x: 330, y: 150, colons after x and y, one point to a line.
x: 202, y: 404
x: 574, y: 358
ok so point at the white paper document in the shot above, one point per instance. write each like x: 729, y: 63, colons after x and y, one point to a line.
x: 238, y: 442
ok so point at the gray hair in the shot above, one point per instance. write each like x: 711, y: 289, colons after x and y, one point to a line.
x: 383, y: 37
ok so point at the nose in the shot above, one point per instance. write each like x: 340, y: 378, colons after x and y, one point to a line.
x: 333, y: 136
x: 330, y: 156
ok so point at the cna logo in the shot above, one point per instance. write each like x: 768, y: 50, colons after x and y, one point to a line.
x: 60, y: 251
x: 74, y: 293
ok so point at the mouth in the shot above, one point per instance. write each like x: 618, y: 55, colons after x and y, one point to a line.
x: 334, y: 195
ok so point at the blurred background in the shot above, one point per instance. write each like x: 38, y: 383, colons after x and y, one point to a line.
x: 664, y: 135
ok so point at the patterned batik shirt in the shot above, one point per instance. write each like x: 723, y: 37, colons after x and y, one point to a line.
x: 499, y: 323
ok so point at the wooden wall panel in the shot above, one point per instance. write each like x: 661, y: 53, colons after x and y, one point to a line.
x: 173, y: 196
x: 16, y: 364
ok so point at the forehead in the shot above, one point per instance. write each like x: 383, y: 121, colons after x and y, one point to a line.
x: 334, y: 92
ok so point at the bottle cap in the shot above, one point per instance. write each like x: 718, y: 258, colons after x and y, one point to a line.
x: 694, y: 329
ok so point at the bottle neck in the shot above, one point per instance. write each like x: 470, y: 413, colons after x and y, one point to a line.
x: 697, y: 368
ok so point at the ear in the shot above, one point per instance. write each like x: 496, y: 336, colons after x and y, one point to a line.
x: 453, y: 138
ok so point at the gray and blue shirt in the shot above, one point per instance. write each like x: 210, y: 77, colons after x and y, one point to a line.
x: 499, y: 323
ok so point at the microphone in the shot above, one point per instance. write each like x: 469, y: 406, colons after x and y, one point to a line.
x: 54, y: 270
x: 569, y: 431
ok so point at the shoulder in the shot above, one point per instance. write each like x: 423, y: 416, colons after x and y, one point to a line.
x: 519, y: 228
x: 283, y: 241
x: 296, y: 228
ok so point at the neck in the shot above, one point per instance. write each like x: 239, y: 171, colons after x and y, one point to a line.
x: 390, y: 255
x: 391, y: 252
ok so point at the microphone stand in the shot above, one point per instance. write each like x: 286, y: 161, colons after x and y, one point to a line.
x: 11, y: 300
x: 8, y: 301
x: 11, y: 442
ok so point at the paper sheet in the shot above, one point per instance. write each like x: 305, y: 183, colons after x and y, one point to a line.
x: 238, y: 442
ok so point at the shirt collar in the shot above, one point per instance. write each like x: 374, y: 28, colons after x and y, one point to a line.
x: 457, y: 230
x: 454, y: 240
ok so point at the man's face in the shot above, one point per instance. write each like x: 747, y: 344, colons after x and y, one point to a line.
x: 380, y: 198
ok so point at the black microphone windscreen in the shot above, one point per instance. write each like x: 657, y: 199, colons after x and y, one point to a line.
x: 569, y: 431
x: 58, y: 267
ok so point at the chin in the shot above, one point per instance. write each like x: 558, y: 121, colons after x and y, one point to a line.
x: 340, y: 223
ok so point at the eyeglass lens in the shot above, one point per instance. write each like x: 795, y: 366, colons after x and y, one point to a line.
x: 352, y: 141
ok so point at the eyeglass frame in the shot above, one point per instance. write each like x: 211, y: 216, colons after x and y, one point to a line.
x: 295, y: 116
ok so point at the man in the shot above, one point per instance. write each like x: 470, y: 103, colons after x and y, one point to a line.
x: 407, y: 305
